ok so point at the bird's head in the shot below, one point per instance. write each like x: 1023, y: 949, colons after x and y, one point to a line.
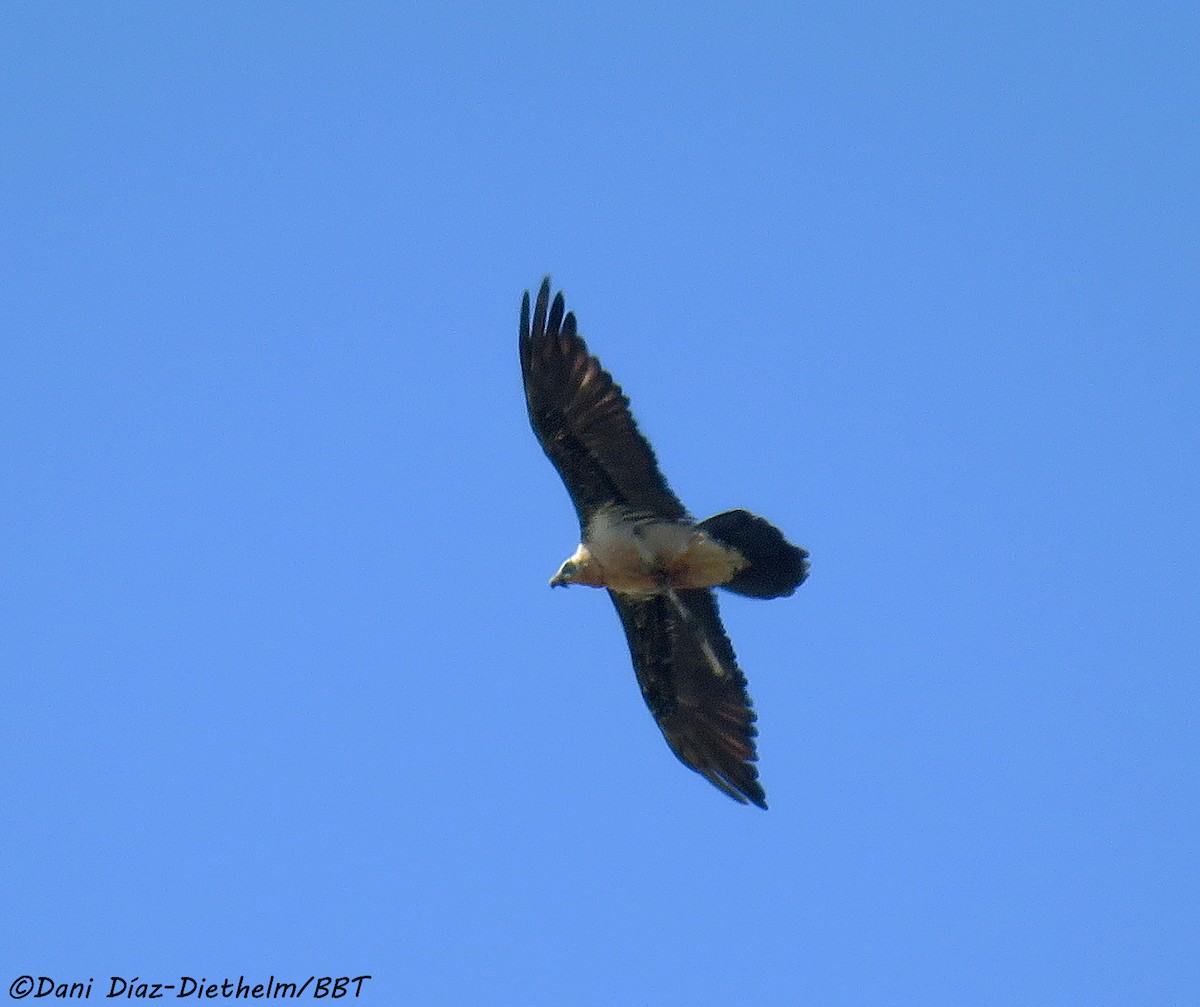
x: 579, y: 569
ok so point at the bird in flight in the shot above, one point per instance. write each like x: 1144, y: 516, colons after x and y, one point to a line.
x: 658, y: 564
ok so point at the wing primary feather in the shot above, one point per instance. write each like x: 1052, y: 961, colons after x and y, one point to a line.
x: 539, y: 311
x: 554, y: 323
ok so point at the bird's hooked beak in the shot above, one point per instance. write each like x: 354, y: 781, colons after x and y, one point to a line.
x: 564, y: 576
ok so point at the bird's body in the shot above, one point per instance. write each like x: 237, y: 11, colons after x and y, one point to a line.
x: 641, y: 554
x: 659, y: 566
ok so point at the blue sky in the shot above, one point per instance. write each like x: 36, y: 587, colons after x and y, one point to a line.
x: 285, y: 689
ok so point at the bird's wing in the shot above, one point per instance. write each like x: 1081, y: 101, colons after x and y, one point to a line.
x: 690, y: 680
x: 582, y: 419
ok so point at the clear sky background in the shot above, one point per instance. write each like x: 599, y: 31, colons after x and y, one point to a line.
x: 285, y: 690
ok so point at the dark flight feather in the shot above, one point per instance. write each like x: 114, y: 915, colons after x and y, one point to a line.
x: 582, y: 419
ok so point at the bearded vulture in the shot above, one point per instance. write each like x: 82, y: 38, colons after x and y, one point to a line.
x: 658, y: 564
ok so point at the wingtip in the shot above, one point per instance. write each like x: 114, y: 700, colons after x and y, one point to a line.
x: 539, y: 310
x: 543, y: 300
x: 751, y: 792
x: 549, y: 317
x: 746, y: 791
x: 557, y: 310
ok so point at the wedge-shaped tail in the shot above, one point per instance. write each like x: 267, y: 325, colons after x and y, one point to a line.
x: 776, y: 567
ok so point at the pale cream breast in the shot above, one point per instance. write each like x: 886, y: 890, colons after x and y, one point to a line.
x: 647, y: 555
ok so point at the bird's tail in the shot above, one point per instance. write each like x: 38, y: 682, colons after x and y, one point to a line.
x: 775, y: 566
